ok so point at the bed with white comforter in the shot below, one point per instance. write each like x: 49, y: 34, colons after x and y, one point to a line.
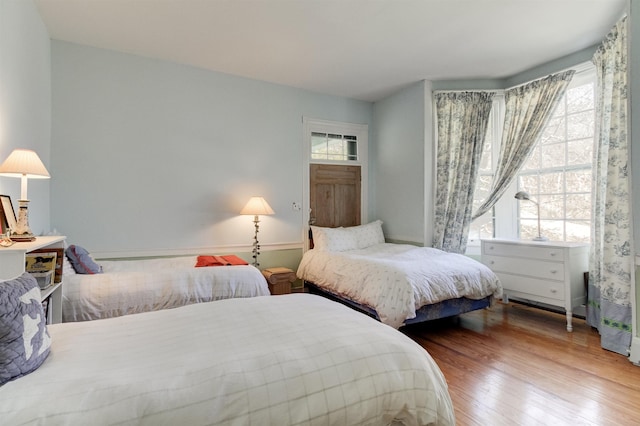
x: 397, y: 279
x: 286, y: 360
x: 135, y: 286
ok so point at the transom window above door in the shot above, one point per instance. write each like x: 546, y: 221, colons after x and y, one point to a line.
x: 336, y: 147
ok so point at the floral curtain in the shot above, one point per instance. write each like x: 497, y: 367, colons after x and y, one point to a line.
x: 528, y: 109
x: 462, y: 119
x: 611, y: 259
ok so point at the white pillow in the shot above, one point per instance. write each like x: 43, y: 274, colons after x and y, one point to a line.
x: 367, y: 235
x: 333, y: 239
x: 351, y: 238
x: 319, y: 238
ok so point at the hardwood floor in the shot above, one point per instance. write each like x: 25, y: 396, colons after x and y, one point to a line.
x: 514, y: 364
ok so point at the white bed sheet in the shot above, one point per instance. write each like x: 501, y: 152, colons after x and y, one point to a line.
x: 398, y: 279
x: 135, y: 286
x: 278, y: 360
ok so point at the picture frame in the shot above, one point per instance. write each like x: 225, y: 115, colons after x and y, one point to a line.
x: 8, y: 216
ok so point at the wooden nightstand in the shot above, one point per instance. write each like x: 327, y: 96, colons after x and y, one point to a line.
x: 279, y: 279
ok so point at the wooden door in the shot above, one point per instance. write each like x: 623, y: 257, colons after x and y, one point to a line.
x: 334, y: 195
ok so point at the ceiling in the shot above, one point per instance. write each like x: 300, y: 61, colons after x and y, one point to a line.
x: 362, y: 49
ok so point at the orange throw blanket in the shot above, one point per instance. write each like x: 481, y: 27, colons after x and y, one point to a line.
x: 226, y: 260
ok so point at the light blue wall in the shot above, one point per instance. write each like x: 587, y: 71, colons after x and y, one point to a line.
x: 25, y: 100
x: 398, y: 164
x: 152, y: 156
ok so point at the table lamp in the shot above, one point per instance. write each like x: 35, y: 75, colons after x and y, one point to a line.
x: 256, y: 206
x: 25, y: 164
x: 523, y: 195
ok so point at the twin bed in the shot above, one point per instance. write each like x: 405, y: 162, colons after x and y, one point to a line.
x: 285, y: 360
x: 134, y: 286
x: 396, y: 283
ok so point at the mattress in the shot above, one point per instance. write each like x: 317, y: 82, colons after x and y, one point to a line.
x: 135, y: 286
x: 286, y: 360
x: 398, y: 279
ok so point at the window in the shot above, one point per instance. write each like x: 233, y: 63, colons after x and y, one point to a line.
x: 558, y: 173
x: 328, y: 146
x: 483, y: 227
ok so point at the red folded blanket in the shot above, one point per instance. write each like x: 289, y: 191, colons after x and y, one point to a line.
x: 226, y: 260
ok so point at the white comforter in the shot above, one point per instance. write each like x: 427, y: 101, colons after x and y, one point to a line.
x: 397, y: 279
x: 278, y: 360
x: 134, y: 286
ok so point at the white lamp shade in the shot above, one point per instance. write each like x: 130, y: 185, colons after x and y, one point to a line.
x: 257, y: 206
x: 24, y: 162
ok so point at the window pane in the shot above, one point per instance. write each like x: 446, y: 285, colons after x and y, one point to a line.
x: 552, y: 229
x: 579, y: 231
x: 482, y: 227
x: 580, y: 98
x: 318, y: 145
x: 529, y: 183
x: 553, y: 155
x: 528, y: 229
x: 580, y: 125
x: 579, y: 206
x: 578, y: 181
x: 554, y: 132
x: 528, y: 210
x: 552, y: 206
x: 580, y: 152
x: 551, y: 183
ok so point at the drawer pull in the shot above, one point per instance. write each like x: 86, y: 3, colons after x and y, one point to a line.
x: 553, y: 254
x: 553, y: 290
x: 492, y: 262
x: 554, y: 271
x: 490, y: 247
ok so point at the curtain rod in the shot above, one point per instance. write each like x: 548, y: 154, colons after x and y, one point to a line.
x: 584, y: 66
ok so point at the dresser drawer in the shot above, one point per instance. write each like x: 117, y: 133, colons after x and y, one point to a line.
x: 525, y: 251
x: 526, y: 267
x: 532, y: 286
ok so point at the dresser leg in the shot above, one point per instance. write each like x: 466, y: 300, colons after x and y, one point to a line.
x: 569, y: 318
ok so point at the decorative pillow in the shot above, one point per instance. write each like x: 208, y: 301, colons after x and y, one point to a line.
x: 82, y: 261
x: 24, y: 341
x: 368, y: 235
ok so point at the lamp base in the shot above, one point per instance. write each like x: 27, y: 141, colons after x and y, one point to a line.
x: 21, y: 238
x: 22, y: 231
x: 540, y: 238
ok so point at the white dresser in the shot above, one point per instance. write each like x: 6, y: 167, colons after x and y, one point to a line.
x: 547, y: 272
